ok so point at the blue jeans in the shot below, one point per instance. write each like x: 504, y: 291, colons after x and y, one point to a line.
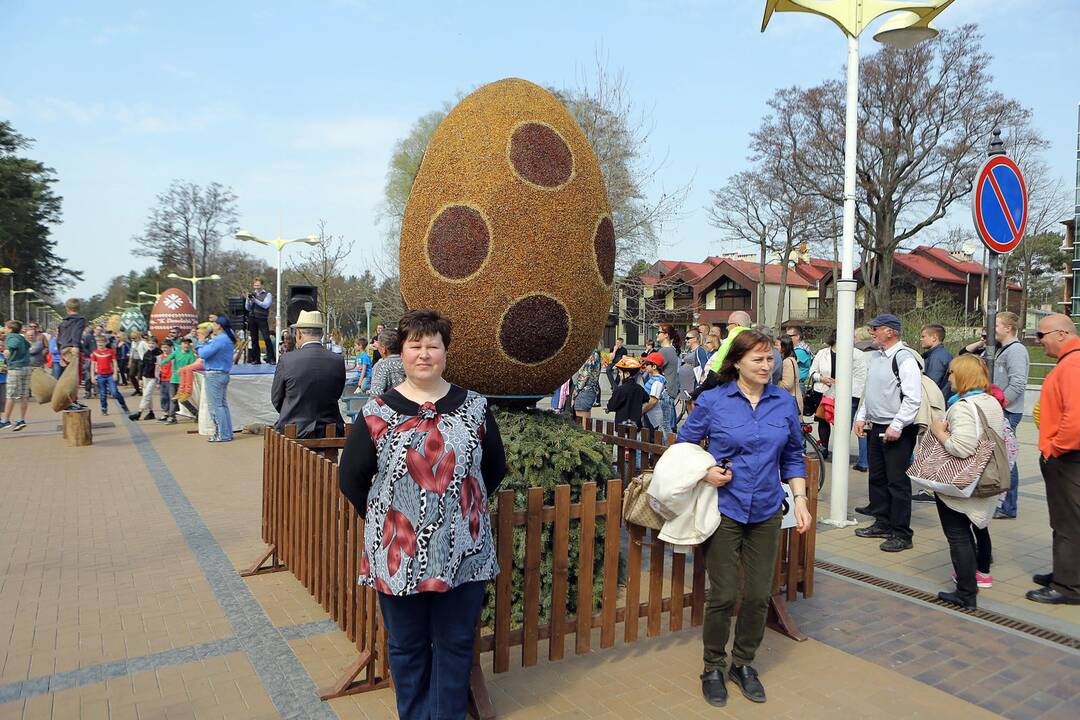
x: 106, y: 386
x: 217, y: 386
x: 57, y: 369
x: 430, y: 636
x: 1008, y: 505
x: 863, y: 458
x: 667, y: 406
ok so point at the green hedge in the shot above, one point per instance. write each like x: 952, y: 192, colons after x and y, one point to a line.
x: 545, y: 450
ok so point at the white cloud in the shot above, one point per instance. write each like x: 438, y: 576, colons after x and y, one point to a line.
x: 350, y: 133
x: 130, y: 117
x: 106, y: 35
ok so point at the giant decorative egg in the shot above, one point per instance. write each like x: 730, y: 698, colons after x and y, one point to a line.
x: 172, y: 309
x: 508, y: 232
x: 132, y: 320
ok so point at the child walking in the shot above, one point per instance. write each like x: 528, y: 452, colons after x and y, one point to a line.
x: 103, y: 368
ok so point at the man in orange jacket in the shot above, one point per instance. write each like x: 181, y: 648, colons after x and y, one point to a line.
x: 1059, y: 448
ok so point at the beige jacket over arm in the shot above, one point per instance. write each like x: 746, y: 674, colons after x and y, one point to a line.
x: 965, y: 431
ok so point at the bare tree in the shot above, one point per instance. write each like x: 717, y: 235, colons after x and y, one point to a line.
x: 742, y: 211
x: 323, y: 267
x: 620, y: 134
x: 925, y: 115
x: 185, y: 227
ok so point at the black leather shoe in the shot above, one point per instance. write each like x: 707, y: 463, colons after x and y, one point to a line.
x: 860, y: 468
x: 954, y: 599
x: 746, y: 678
x: 714, y: 688
x: 874, y: 531
x: 896, y: 544
x: 1050, y: 596
x: 922, y: 496
x: 863, y: 510
x: 1043, y: 579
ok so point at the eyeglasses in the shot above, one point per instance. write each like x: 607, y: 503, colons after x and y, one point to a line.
x: 1040, y: 334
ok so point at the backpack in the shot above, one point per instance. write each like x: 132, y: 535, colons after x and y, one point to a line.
x: 932, y: 405
x: 805, y: 358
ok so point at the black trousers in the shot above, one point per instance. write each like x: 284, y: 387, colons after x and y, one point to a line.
x: 890, y: 487
x: 255, y: 327
x: 1062, y: 476
x: 969, y: 548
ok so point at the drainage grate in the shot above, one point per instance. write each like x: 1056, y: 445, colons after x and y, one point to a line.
x: 996, y: 618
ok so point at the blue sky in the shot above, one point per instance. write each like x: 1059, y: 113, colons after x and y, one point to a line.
x: 297, y: 105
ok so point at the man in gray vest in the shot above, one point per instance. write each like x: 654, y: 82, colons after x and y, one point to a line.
x: 887, y: 419
x: 257, y: 304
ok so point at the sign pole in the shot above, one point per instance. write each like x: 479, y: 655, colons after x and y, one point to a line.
x: 991, y: 314
x: 999, y: 209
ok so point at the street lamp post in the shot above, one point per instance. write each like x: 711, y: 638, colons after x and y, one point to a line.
x: 278, y: 244
x: 904, y: 31
x: 194, y: 286
x: 11, y: 287
x: 367, y: 309
x: 15, y: 292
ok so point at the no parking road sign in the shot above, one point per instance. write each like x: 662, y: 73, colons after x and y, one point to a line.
x: 999, y: 205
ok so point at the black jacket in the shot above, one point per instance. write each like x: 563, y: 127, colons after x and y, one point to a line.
x: 307, y: 386
x: 70, y: 331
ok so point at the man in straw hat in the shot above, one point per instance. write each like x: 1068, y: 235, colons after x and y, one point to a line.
x: 308, y: 381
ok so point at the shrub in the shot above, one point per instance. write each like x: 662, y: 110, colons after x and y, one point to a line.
x: 545, y: 450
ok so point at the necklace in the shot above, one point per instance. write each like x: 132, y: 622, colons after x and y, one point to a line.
x: 754, y: 398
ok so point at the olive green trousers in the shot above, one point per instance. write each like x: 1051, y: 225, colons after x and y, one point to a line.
x: 753, y: 547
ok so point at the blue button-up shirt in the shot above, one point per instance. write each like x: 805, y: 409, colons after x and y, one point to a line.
x: 765, y: 446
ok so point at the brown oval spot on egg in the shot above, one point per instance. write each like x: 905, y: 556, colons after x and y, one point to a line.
x: 604, y: 247
x: 458, y: 242
x: 534, y: 328
x: 540, y: 156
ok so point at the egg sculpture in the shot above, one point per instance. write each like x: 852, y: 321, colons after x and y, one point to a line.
x: 172, y: 309
x: 508, y: 232
x: 132, y: 320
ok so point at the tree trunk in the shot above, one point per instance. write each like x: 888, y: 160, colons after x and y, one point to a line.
x: 77, y: 429
x: 788, y: 242
x: 761, y: 286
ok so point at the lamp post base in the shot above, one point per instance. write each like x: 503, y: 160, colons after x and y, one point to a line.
x: 839, y: 523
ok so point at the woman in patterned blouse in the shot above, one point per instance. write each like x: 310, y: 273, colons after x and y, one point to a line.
x: 419, y: 470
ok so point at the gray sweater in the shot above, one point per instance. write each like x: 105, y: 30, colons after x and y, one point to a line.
x: 1011, y: 365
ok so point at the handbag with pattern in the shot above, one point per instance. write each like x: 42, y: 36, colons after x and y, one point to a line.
x: 978, y: 475
x: 636, y: 507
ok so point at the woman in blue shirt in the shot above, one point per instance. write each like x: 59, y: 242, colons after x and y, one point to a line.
x: 753, y: 431
x: 217, y: 357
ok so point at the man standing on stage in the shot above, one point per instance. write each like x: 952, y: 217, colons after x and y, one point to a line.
x: 257, y: 305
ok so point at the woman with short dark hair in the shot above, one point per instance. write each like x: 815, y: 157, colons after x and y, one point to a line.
x: 419, y: 470
x: 754, y: 434
x: 388, y: 371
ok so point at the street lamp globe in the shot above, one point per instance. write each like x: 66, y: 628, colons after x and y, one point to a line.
x: 905, y: 31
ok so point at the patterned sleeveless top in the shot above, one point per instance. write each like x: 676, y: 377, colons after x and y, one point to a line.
x: 427, y: 528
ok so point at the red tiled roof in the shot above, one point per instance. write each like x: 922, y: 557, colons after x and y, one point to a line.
x: 964, y: 266
x: 772, y: 273
x: 810, y: 272
x: 926, y: 268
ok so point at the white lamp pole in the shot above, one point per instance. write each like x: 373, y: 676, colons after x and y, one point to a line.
x: 904, y: 31
x: 194, y: 286
x: 278, y: 244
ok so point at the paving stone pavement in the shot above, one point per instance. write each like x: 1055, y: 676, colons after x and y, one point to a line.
x: 119, y: 598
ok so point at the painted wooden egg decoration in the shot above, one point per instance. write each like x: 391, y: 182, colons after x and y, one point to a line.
x: 173, y: 309
x: 508, y: 232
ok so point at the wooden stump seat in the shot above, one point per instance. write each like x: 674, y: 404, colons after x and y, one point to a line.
x: 77, y: 429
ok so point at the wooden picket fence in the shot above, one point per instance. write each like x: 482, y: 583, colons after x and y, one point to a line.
x: 312, y: 530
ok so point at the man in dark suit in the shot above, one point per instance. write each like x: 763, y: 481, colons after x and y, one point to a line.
x: 308, y: 382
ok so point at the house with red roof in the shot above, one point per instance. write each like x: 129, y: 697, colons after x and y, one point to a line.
x: 1070, y: 297
x: 686, y: 294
